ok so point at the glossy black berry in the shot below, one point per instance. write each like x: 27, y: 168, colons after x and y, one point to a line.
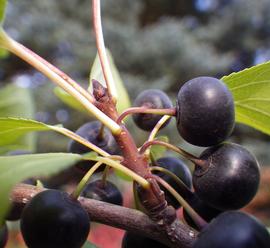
x: 205, y: 111
x: 106, y: 192
x: 3, y: 235
x: 52, y: 219
x: 180, y: 169
x: 234, y: 229
x: 200, y: 207
x: 155, y: 99
x: 229, y: 178
x: 101, y: 137
x: 131, y: 240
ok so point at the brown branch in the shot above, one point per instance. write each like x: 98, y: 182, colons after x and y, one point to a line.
x: 120, y: 217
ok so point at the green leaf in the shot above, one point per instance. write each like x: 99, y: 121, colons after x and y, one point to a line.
x: 17, y: 101
x: 123, y: 101
x: 157, y: 151
x: 89, y: 245
x: 251, y: 92
x: 68, y: 99
x: 13, y: 129
x: 3, y: 5
x: 14, y: 169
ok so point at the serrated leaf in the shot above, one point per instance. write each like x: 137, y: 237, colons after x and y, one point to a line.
x: 17, y: 101
x: 3, y: 5
x: 89, y: 245
x: 123, y: 101
x: 14, y: 169
x: 157, y: 151
x: 68, y: 99
x: 251, y: 92
x: 13, y: 129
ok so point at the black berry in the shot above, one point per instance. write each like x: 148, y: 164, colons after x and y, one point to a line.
x: 3, y: 235
x: 180, y: 169
x: 102, y: 138
x: 230, y: 177
x: 131, y: 240
x: 155, y: 99
x: 106, y: 192
x: 205, y: 111
x: 52, y: 219
x: 233, y: 229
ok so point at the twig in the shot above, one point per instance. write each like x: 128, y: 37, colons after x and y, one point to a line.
x: 116, y: 216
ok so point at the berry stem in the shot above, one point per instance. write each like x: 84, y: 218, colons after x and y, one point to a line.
x: 80, y: 187
x: 145, y: 110
x: 179, y: 150
x: 105, y: 174
x: 199, y: 221
x: 183, y: 187
x: 61, y: 79
x: 102, y: 50
x: 155, y: 131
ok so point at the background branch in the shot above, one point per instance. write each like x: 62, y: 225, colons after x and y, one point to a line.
x: 116, y: 216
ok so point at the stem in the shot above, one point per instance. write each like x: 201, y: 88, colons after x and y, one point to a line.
x: 116, y: 165
x: 79, y: 139
x: 80, y: 187
x: 116, y: 216
x: 145, y: 110
x: 198, y: 220
x: 155, y: 131
x: 61, y: 80
x: 105, y: 175
x: 183, y: 187
x: 179, y: 150
x: 102, y: 50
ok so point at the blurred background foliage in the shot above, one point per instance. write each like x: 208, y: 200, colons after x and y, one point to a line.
x: 155, y: 44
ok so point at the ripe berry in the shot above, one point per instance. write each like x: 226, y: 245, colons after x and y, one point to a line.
x: 234, y: 229
x: 155, y: 99
x: 229, y: 178
x: 52, y: 219
x: 200, y: 207
x: 179, y: 168
x: 131, y: 240
x: 107, y: 192
x: 3, y: 235
x: 205, y: 111
x: 92, y: 132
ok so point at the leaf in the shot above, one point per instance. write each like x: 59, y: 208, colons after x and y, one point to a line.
x: 12, y: 130
x: 251, y: 93
x: 89, y: 245
x: 14, y: 169
x: 123, y: 101
x: 3, y: 5
x: 158, y: 151
x: 17, y: 101
x: 68, y: 99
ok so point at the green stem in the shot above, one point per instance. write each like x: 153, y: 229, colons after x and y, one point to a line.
x: 116, y: 165
x: 80, y: 187
x: 198, y: 220
x: 105, y: 175
x: 79, y: 139
x: 173, y: 176
x: 61, y: 80
x: 102, y: 50
x: 155, y: 131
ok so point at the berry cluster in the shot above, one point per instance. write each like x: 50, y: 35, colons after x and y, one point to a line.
x: 225, y: 177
